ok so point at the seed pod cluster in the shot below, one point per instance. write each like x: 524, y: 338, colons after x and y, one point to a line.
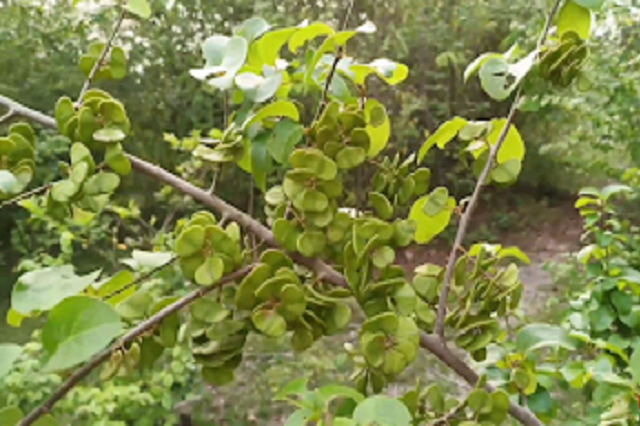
x: 17, y: 160
x: 206, y: 250
x: 562, y: 63
x: 85, y: 187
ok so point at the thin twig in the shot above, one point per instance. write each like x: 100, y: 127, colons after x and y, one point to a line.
x: 323, y: 270
x: 6, y: 117
x: 24, y: 195
x: 141, y: 278
x: 131, y: 336
x: 103, y: 55
x: 334, y: 66
x: 482, y: 180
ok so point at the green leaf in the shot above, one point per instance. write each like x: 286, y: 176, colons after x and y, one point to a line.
x: 590, y: 4
x: 285, y: 136
x: 116, y: 284
x: 512, y: 147
x: 9, y: 353
x: 493, y: 78
x: 634, y: 364
x: 307, y: 33
x: 117, y: 160
x: 382, y: 410
x: 78, y: 328
x: 506, y: 172
x: 378, y: 126
x: 210, y: 271
x: 381, y: 205
x: 269, y: 322
x: 437, y: 201
x: 427, y: 227
x: 576, y: 18
x: 295, y: 387
x: 109, y: 135
x: 445, y: 133
x: 269, y: 45
x: 139, y: 7
x: 190, y: 241
x: 350, y: 157
x: 383, y: 256
x: 276, y: 109
x: 136, y: 306
x: 43, y: 289
x: 537, y: 336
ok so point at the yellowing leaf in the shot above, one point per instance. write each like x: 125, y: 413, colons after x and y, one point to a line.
x: 445, y: 133
x: 573, y: 17
x: 139, y: 7
x: 276, y: 109
x: 378, y: 135
x: 427, y: 227
x: 513, y: 145
x: 308, y: 33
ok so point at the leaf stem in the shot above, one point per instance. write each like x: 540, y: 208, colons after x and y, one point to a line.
x: 141, y: 278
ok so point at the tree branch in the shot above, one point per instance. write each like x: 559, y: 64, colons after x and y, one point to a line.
x: 475, y: 197
x: 24, y: 195
x: 324, y: 271
x: 132, y: 335
x: 334, y: 66
x: 433, y: 344
x: 141, y: 278
x: 103, y: 55
x: 6, y: 117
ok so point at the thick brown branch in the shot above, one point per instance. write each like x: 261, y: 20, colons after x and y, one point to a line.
x: 434, y: 345
x: 324, y: 271
x: 475, y: 197
x: 131, y: 336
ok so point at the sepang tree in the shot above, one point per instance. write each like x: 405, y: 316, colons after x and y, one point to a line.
x: 320, y: 254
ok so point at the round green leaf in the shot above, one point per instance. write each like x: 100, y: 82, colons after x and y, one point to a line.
x: 350, y: 157
x: 109, y: 135
x: 269, y: 322
x: 101, y: 183
x: 493, y: 78
x: 383, y: 256
x: 382, y: 411
x: 25, y: 130
x: 190, y: 241
x: 78, y: 328
x: 210, y: 271
x: 245, y: 296
x: 310, y: 243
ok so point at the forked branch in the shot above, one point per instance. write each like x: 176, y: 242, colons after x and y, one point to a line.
x: 322, y: 269
x: 475, y: 197
x: 130, y: 337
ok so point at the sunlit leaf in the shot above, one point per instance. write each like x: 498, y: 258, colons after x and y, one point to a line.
x: 140, y: 8
x: 576, y: 18
x: 43, y: 289
x: 78, y: 328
